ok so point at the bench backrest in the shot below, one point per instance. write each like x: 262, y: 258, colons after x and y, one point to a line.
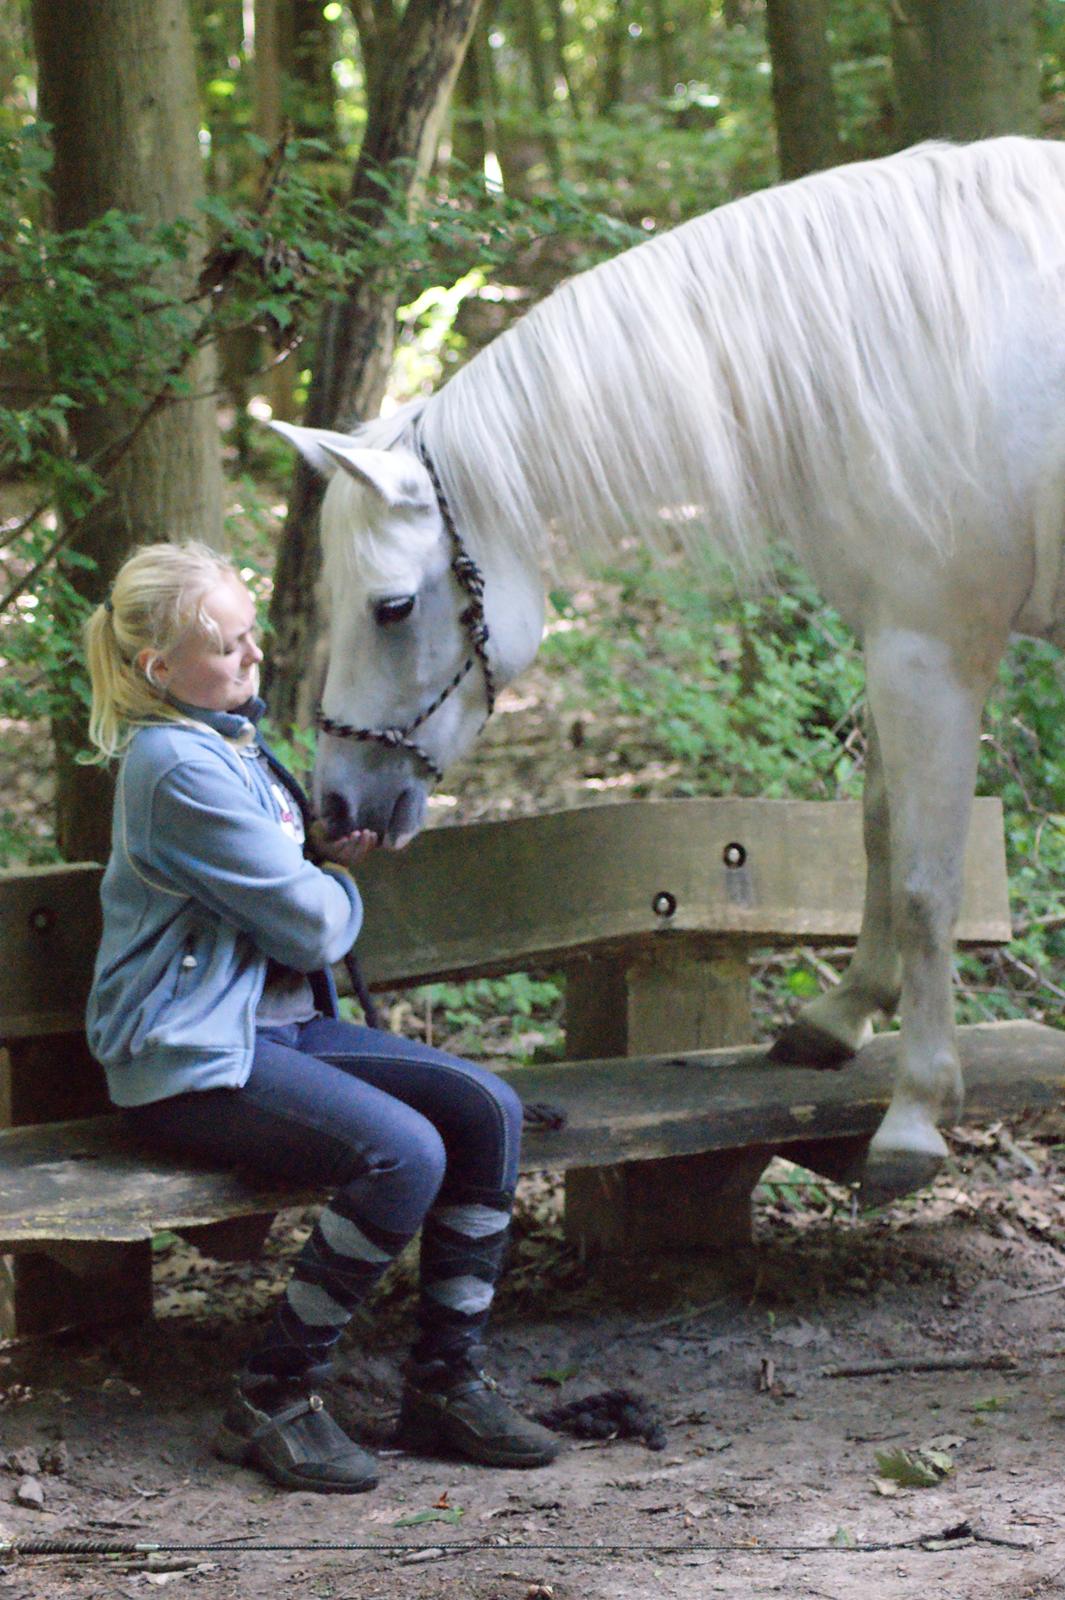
x: 493, y: 897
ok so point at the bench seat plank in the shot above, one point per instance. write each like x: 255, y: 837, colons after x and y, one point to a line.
x: 89, y: 1180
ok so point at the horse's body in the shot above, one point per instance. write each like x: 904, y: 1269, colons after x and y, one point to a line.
x: 869, y: 364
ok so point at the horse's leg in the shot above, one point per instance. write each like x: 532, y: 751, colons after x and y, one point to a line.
x: 831, y: 1028
x: 926, y: 698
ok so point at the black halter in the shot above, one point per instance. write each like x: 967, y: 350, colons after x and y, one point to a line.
x: 470, y: 580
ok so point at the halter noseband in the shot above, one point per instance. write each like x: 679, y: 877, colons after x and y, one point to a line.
x: 470, y: 580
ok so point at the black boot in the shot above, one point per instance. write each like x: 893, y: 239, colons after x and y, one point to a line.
x: 282, y: 1427
x: 451, y: 1403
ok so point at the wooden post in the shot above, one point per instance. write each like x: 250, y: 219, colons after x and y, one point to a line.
x: 48, y: 1079
x: 75, y: 1285
x: 686, y: 992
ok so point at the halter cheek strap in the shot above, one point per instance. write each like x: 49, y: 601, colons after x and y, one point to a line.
x: 470, y: 580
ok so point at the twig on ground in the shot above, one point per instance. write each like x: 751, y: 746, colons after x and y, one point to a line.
x: 677, y: 1320
x: 1001, y: 1360
x: 1031, y: 1294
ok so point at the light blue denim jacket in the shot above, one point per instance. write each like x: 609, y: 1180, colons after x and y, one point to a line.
x: 202, y: 887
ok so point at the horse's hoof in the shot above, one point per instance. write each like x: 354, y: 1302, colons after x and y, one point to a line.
x: 889, y: 1174
x: 804, y: 1044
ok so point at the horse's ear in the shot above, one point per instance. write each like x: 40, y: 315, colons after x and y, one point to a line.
x: 313, y: 443
x: 397, y: 479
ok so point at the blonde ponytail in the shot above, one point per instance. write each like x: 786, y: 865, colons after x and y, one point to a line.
x: 157, y: 596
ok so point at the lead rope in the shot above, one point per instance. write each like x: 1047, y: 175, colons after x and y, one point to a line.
x: 351, y: 960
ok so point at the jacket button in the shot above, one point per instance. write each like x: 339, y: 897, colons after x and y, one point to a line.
x: 188, y: 961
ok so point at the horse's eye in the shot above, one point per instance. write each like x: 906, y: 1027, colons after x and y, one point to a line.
x: 393, y: 609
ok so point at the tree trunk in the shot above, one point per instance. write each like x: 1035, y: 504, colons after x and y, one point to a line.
x: 411, y: 60
x: 117, y: 83
x: 539, y: 82
x: 274, y: 51
x: 313, y: 109
x: 471, y: 114
x: 665, y: 40
x: 965, y: 69
x: 558, y: 35
x: 803, y: 96
x: 612, y: 75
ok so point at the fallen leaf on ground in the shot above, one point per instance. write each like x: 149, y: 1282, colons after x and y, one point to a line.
x: 914, y: 1469
x: 432, y: 1514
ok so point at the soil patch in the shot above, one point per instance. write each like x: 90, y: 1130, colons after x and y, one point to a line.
x: 774, y: 1478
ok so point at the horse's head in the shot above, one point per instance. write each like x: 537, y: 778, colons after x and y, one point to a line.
x: 407, y: 687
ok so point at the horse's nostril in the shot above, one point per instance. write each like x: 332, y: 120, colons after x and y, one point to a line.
x: 336, y: 814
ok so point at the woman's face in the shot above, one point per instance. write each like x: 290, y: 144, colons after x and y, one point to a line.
x: 215, y: 676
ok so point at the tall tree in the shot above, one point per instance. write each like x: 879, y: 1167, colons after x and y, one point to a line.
x: 804, y: 99
x: 412, y: 58
x: 313, y: 100
x: 615, y: 33
x: 532, y: 41
x: 117, y: 84
x: 473, y: 111
x: 665, y: 48
x: 965, y: 69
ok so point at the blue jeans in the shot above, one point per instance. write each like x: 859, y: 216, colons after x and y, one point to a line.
x: 405, y: 1135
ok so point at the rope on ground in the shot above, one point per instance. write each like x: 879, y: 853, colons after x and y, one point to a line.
x: 961, y: 1536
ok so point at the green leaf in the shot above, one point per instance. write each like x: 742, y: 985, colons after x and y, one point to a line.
x: 914, y: 1469
x: 431, y: 1514
x: 556, y: 1375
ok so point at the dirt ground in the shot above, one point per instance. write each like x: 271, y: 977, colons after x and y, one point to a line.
x: 769, y: 1482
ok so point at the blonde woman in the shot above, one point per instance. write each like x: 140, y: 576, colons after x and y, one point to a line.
x: 213, y: 1013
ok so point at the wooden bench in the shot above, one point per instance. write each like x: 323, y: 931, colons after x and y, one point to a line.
x: 650, y: 909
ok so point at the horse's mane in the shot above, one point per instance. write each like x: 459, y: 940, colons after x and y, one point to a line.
x: 822, y: 349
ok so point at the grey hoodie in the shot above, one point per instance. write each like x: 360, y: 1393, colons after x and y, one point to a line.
x: 203, y: 885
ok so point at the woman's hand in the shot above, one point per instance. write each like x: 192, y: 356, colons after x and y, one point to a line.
x: 347, y: 851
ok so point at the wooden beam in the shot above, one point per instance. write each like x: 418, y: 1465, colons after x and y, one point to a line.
x: 532, y: 891
x: 728, y: 1099
x: 682, y: 994
x: 90, y: 1180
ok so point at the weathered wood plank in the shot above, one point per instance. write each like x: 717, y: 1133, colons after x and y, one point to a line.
x: 501, y: 896
x: 495, y: 896
x: 75, y: 1286
x: 729, y: 1099
x: 679, y: 995
x: 49, y: 931
x: 90, y: 1180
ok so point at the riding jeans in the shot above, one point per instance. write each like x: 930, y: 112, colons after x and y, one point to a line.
x: 406, y: 1137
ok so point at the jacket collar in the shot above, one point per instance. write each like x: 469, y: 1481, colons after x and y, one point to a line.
x: 238, y: 726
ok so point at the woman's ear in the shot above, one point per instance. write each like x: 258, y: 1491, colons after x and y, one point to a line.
x: 152, y: 665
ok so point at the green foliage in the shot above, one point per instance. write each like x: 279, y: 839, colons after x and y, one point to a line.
x: 101, y: 317
x: 787, y: 1187
x: 765, y: 696
x: 759, y: 697
x: 516, y: 1017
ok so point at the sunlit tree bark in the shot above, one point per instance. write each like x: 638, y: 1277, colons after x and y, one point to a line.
x: 412, y: 58
x: 117, y: 84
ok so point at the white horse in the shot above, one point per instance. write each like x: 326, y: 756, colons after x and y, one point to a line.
x: 869, y: 364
